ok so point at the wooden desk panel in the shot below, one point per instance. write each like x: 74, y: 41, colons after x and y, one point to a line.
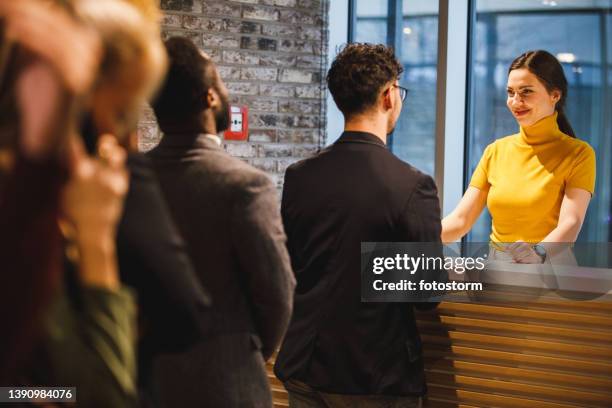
x: 547, y: 352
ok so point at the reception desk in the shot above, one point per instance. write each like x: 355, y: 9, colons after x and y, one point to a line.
x: 519, y: 348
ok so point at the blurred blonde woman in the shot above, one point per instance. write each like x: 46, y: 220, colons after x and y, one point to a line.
x: 132, y: 66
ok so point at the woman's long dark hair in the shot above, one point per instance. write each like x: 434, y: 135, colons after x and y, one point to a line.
x: 31, y: 253
x: 549, y: 71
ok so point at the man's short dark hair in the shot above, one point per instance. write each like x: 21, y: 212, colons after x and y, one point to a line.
x: 190, y: 76
x: 358, y: 74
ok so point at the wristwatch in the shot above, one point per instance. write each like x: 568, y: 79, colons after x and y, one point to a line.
x: 540, y: 251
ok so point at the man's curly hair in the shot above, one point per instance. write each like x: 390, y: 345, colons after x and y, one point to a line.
x: 358, y: 74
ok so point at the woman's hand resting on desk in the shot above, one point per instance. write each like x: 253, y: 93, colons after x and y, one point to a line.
x: 523, y: 252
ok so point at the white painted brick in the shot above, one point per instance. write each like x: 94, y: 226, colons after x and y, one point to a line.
x: 242, y: 88
x: 295, y: 75
x: 218, y: 40
x: 277, y: 90
x: 241, y: 149
x: 240, y: 57
x: 261, y: 74
x: 260, y: 13
x: 229, y: 73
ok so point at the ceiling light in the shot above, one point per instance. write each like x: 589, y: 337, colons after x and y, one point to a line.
x: 407, y: 30
x: 566, y: 57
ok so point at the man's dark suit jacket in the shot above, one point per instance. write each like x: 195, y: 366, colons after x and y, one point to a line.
x: 353, y: 191
x: 153, y: 260
x: 227, y: 211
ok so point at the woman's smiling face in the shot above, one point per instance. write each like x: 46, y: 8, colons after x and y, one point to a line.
x: 528, y: 99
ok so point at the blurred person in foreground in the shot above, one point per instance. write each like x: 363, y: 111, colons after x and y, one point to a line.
x: 64, y: 324
x: 228, y: 213
x: 151, y: 253
x: 340, y: 351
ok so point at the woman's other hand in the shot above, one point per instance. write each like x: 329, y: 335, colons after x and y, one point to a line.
x: 523, y: 252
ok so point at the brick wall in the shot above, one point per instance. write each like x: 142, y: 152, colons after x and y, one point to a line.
x: 271, y: 55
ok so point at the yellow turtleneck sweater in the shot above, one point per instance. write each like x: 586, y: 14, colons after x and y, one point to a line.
x: 526, y: 175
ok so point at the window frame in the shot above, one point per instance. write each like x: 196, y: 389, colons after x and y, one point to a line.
x: 451, y: 90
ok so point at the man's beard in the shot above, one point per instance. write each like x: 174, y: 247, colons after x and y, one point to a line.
x: 222, y: 116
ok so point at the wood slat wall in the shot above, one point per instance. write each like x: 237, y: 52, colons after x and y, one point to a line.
x: 545, y: 352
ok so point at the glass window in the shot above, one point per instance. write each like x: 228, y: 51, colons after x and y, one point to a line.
x: 578, y: 33
x: 414, y: 137
x: 370, y: 21
x: 415, y: 133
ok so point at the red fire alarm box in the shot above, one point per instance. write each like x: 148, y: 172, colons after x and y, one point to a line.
x: 239, y: 124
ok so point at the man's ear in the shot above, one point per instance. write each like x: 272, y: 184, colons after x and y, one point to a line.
x: 212, y: 97
x: 387, y: 102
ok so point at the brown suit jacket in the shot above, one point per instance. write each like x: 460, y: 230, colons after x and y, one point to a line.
x: 227, y: 212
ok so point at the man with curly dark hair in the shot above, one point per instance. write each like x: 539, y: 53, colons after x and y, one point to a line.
x: 359, y: 73
x: 338, y: 351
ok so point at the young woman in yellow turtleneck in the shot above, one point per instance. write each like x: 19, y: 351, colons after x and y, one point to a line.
x: 537, y: 183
